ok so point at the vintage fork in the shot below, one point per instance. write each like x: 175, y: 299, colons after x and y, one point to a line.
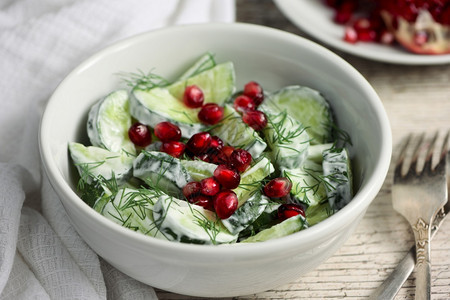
x: 419, y: 195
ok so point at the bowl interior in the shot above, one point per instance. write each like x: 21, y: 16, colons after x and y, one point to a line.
x: 271, y: 57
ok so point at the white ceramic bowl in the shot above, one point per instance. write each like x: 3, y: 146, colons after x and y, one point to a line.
x: 275, y: 59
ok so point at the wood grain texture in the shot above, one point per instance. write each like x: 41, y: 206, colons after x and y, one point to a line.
x: 417, y: 99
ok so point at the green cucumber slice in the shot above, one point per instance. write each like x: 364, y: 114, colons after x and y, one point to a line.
x: 318, y: 213
x: 217, y: 83
x: 287, y: 138
x: 108, y: 123
x: 287, y: 227
x: 183, y: 222
x: 158, y: 105
x: 233, y: 131
x: 198, y: 169
x: 309, y: 107
x: 133, y: 209
x: 338, y: 176
x: 308, y: 185
x: 251, y: 179
x: 205, y: 62
x: 161, y: 171
x: 247, y: 213
x: 315, y: 152
x: 94, y: 163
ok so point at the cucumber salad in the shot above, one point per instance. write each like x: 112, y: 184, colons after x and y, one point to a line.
x: 201, y: 160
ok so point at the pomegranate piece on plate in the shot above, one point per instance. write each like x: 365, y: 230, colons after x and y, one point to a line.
x: 420, y: 26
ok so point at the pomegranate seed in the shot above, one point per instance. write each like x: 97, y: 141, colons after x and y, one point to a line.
x: 227, y: 150
x: 193, y: 96
x: 140, y: 135
x: 211, y: 113
x: 216, y: 143
x: 240, y: 159
x: 199, y: 143
x: 342, y: 16
x: 254, y: 90
x: 191, y: 189
x: 386, y: 37
x: 205, y: 157
x: 243, y: 103
x: 225, y: 204
x: 278, y: 187
x: 166, y: 131
x: 420, y: 37
x: 367, y: 35
x: 255, y: 119
x: 203, y: 201
x: 289, y: 210
x: 350, y: 35
x: 173, y: 148
x: 218, y: 158
x: 228, y: 177
x: 210, y: 186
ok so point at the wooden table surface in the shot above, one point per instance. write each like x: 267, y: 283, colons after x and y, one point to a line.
x: 417, y: 99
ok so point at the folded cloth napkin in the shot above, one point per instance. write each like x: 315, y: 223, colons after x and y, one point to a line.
x: 41, y: 255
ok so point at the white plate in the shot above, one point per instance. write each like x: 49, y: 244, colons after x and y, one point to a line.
x: 313, y: 17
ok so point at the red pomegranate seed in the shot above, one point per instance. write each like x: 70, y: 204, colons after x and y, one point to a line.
x: 191, y: 189
x: 140, y: 135
x: 210, y: 186
x: 240, y: 159
x: 225, y: 204
x: 255, y: 91
x: 386, y: 37
x: 216, y: 143
x: 228, y: 178
x: 243, y: 103
x: 367, y: 35
x: 199, y: 143
x: 211, y: 113
x: 203, y: 201
x: 278, y: 187
x: 362, y: 24
x: 255, y: 119
x: 420, y: 37
x: 205, y: 157
x: 227, y: 150
x: 350, y: 35
x: 289, y: 210
x: 173, y: 148
x: 193, y: 96
x: 166, y: 131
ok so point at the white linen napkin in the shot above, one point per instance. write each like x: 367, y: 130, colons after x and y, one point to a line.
x: 41, y: 255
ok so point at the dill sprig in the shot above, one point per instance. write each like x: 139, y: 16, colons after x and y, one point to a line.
x: 143, y: 80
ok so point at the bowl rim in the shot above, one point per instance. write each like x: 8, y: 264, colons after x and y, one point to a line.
x: 359, y: 203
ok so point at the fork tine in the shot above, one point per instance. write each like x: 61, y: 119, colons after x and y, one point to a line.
x: 401, y: 157
x: 415, y: 156
x: 429, y: 156
x: 443, y: 155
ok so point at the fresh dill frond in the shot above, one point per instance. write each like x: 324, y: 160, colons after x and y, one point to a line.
x: 144, y: 80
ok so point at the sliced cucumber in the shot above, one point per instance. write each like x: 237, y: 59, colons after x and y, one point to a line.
x: 267, y: 219
x: 161, y: 171
x: 198, y: 169
x: 318, y: 213
x: 308, y: 185
x: 94, y: 163
x: 315, y: 152
x: 287, y: 227
x: 183, y: 222
x: 251, y: 179
x: 309, y: 107
x: 108, y: 123
x: 338, y: 177
x: 133, y: 209
x: 233, y: 131
x: 217, y: 83
x: 247, y: 213
x: 204, y: 63
x: 158, y: 105
x: 287, y: 138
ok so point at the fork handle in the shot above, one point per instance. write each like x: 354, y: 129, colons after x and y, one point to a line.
x: 422, y: 232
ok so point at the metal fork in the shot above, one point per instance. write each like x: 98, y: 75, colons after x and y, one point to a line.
x: 419, y: 195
